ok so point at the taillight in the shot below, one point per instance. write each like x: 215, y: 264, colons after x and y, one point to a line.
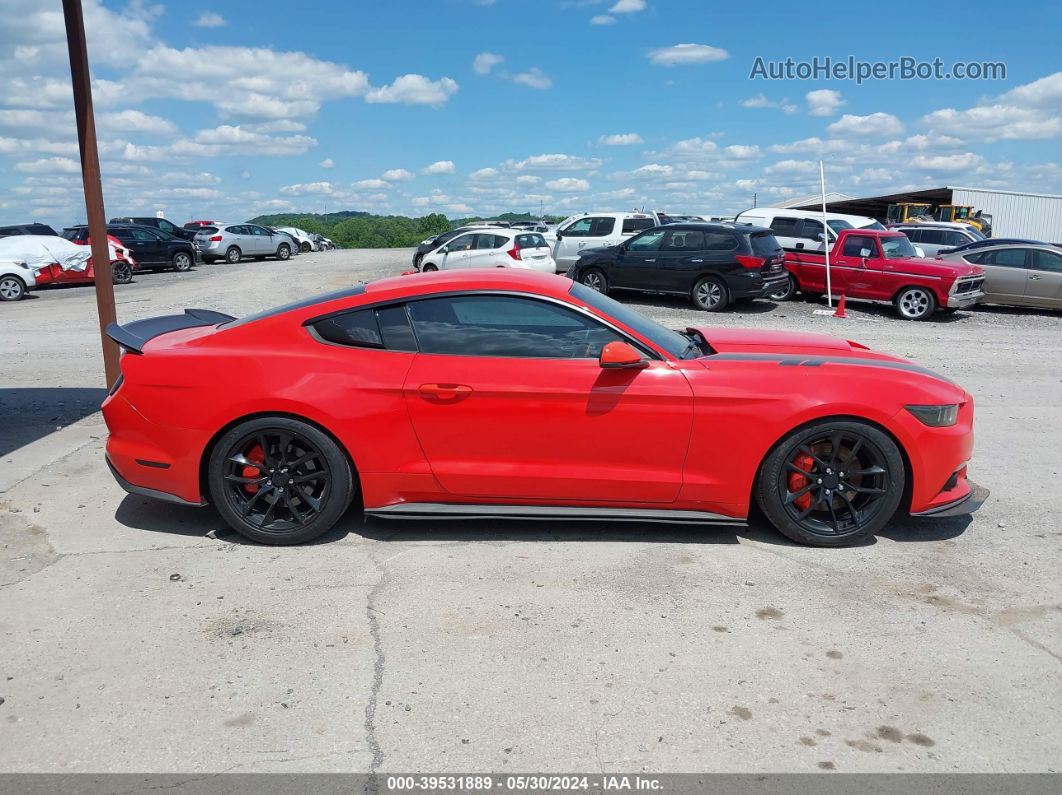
x: 216, y: 239
x: 750, y: 262
x: 514, y: 252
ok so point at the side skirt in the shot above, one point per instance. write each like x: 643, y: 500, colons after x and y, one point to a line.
x: 435, y: 510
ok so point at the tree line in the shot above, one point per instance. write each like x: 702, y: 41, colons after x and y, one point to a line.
x: 353, y: 229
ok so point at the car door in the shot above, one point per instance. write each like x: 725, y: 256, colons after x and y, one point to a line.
x: 1044, y: 282
x: 811, y: 236
x: 858, y: 269
x: 263, y: 241
x: 457, y: 252
x: 570, y: 240
x: 1006, y: 275
x: 683, y: 256
x: 145, y: 245
x: 786, y: 230
x: 508, y: 401
x: 485, y: 251
x: 635, y: 264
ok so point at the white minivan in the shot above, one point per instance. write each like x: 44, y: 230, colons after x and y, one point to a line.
x: 801, y: 230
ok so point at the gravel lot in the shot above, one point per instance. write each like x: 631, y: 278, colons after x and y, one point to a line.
x: 130, y: 640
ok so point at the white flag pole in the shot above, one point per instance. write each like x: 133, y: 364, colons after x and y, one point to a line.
x: 825, y: 234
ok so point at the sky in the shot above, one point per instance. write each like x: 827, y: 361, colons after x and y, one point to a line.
x: 227, y: 109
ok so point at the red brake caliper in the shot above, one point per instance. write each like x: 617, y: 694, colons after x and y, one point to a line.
x: 797, y: 481
x: 257, y: 455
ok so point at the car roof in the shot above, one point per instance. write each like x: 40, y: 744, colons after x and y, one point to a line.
x: 469, y: 279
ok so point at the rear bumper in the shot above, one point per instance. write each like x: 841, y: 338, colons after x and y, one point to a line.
x: 143, y: 491
x: 973, y: 500
x: 758, y: 288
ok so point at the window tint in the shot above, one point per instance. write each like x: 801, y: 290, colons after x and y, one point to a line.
x: 236, y: 230
x: 682, y: 240
x: 354, y: 328
x: 495, y: 325
x: 166, y: 226
x: 956, y: 238
x: 1046, y: 261
x: 632, y: 225
x: 859, y: 246
x: 765, y: 244
x: 810, y: 230
x: 647, y: 241
x: 485, y: 241
x: 395, y: 330
x: 935, y: 237
x: 530, y: 241
x: 1006, y: 258
x: 787, y: 227
x: 914, y: 235
x: 602, y: 227
x: 136, y: 234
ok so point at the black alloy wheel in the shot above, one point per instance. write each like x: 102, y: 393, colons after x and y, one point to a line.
x: 832, y: 483
x: 279, y: 481
x: 121, y: 272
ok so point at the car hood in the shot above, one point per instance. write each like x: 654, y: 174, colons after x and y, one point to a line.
x: 935, y: 267
x: 737, y: 340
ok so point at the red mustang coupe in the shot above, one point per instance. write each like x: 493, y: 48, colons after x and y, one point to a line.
x: 496, y: 393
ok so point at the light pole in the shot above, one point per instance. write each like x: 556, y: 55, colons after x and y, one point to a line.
x: 90, y: 177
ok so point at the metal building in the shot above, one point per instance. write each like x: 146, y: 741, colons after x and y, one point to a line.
x: 1035, y: 216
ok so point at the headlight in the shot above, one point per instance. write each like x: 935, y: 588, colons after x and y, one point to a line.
x: 936, y: 416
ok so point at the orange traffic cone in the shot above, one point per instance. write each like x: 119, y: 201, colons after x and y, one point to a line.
x: 840, y: 308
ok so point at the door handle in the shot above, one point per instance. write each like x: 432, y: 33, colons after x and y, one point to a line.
x: 1033, y: 278
x: 650, y: 260
x: 696, y: 260
x: 444, y: 390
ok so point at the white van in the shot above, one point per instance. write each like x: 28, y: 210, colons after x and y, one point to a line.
x: 801, y: 230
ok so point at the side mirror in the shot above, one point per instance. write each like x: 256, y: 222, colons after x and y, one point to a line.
x: 920, y: 252
x: 820, y: 237
x: 444, y: 250
x: 560, y: 235
x: 620, y: 355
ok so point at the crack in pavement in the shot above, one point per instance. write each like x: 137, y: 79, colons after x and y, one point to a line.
x: 371, y: 611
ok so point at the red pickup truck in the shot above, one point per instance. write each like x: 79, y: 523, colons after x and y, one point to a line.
x: 881, y: 265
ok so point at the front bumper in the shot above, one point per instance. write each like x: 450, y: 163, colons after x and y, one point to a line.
x: 963, y: 300
x: 973, y: 500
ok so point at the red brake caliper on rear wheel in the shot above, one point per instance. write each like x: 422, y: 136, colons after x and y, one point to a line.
x: 257, y: 455
x: 797, y: 481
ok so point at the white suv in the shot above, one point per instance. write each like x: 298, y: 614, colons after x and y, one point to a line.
x: 596, y: 230
x: 492, y: 248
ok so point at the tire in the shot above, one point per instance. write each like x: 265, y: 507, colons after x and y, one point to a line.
x: 416, y: 261
x: 12, y: 288
x: 254, y: 492
x: 429, y: 267
x: 305, y: 248
x: 915, y: 303
x: 810, y: 509
x: 233, y: 255
x: 121, y: 272
x: 283, y: 252
x: 182, y: 261
x: 710, y: 294
x: 787, y: 292
x: 595, y: 279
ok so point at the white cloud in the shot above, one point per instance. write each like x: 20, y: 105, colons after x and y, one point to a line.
x: 372, y: 184
x: 823, y: 102
x: 398, y: 175
x: 874, y: 125
x: 327, y: 163
x: 485, y: 61
x: 439, y: 167
x: 681, y: 54
x: 135, y: 121
x: 620, y: 139
x: 602, y: 19
x: 415, y: 90
x: 760, y: 101
x: 420, y: 201
x: 533, y: 77
x: 50, y: 165
x: 278, y: 125
x: 484, y: 173
x: 1029, y: 111
x: 568, y: 185
x: 947, y: 163
x: 557, y: 162
x: 627, y: 6
x: 209, y: 19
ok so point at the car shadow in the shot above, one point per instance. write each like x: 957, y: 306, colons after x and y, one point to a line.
x: 142, y: 513
x: 42, y: 411
x: 742, y: 306
x: 883, y: 310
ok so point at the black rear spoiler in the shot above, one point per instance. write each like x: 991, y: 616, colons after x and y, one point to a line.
x: 134, y: 336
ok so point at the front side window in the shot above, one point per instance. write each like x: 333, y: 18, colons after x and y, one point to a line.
x: 506, y: 326
x: 859, y: 246
x: 647, y: 241
x: 139, y: 234
x: 580, y: 228
x: 812, y: 230
x: 166, y: 226
x: 463, y: 243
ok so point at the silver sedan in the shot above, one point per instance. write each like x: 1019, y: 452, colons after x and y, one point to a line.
x: 1017, y: 274
x: 233, y: 242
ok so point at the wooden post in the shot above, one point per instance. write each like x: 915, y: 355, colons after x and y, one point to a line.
x: 90, y: 177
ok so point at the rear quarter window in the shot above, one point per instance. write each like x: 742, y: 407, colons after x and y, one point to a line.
x: 764, y: 244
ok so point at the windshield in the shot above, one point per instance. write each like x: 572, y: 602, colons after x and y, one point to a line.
x: 674, y: 343
x: 872, y: 225
x: 837, y: 225
x: 897, y: 247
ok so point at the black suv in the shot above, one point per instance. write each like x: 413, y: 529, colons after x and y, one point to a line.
x: 713, y: 264
x: 161, y: 224
x: 151, y: 248
x: 26, y: 229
